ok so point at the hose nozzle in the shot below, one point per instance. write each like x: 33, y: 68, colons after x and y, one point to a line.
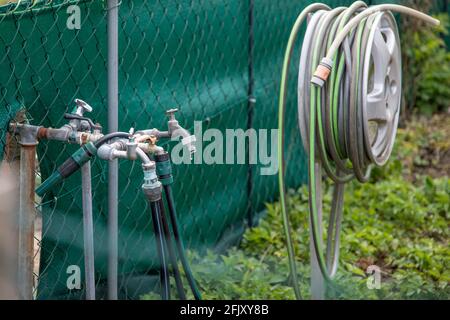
x: 51, y: 181
x: 72, y: 164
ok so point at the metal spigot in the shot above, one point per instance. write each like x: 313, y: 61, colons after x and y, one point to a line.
x: 175, y: 130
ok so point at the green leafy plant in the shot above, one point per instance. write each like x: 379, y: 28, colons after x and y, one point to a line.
x: 426, y: 62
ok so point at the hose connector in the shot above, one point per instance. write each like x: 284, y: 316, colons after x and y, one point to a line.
x: 51, y: 181
x: 151, y: 187
x: 164, y: 168
x: 322, y: 72
x: 72, y: 164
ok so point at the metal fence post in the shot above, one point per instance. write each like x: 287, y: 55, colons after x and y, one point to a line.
x: 113, y: 168
x: 88, y: 231
x: 9, y: 191
x: 26, y: 219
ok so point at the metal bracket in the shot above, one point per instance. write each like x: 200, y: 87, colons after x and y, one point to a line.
x: 28, y: 134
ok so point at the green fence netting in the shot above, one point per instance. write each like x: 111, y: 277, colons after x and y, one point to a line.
x: 190, y: 54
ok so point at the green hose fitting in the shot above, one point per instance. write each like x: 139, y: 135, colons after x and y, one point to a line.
x: 54, y: 179
x: 164, y: 168
x: 72, y: 164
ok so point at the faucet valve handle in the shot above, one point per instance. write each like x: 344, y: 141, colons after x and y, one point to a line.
x: 171, y: 113
x: 82, y: 107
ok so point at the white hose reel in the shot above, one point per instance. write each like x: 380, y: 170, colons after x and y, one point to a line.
x: 381, y: 87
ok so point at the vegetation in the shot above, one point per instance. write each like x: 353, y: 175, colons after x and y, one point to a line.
x: 399, y: 222
x: 426, y: 62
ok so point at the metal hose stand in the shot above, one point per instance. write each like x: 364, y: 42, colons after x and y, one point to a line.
x: 26, y: 221
x: 88, y: 231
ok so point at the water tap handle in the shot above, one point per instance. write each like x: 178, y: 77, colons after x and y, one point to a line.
x: 75, y: 116
x: 171, y: 113
x: 82, y: 107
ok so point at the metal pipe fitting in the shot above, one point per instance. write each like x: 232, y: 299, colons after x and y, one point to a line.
x: 131, y: 148
x: 86, y: 137
x: 151, y: 132
x: 121, y: 149
x: 112, y: 151
x: 58, y: 134
x: 28, y: 134
x: 143, y: 156
x: 150, y: 148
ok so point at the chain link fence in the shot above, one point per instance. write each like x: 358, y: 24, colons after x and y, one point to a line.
x: 217, y: 61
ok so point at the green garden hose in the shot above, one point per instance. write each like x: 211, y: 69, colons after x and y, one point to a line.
x: 349, y: 123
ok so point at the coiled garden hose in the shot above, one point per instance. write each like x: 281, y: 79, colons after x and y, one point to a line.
x: 346, y: 124
x: 161, y: 250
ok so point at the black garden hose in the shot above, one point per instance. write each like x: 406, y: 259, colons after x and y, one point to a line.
x: 160, y: 247
x: 171, y: 251
x: 179, y: 242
